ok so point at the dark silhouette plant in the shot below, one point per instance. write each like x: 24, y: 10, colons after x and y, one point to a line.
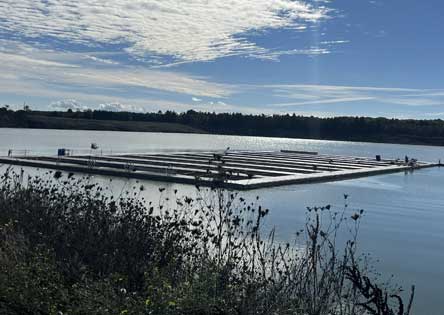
x: 69, y: 246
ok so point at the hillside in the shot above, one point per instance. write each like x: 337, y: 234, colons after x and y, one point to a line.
x: 45, y: 122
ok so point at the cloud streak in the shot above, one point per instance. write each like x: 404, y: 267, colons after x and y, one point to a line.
x: 300, y: 95
x: 45, y: 67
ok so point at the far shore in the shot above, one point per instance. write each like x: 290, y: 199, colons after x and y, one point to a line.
x: 356, y: 129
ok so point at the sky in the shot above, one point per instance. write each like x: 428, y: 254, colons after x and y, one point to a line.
x: 318, y: 57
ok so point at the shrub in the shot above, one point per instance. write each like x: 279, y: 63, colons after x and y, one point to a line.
x: 70, y: 247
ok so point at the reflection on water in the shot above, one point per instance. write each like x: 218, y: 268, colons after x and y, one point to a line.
x: 404, y: 213
x: 370, y: 182
x: 42, y: 141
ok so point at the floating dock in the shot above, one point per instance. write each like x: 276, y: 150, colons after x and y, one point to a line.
x: 240, y: 170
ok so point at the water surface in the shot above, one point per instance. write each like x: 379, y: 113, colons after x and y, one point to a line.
x: 404, y: 212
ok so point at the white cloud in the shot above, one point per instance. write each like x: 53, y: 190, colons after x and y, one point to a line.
x: 67, y: 104
x: 195, y: 99
x: 119, y: 107
x: 196, y: 30
x: 110, y: 106
x: 145, y: 105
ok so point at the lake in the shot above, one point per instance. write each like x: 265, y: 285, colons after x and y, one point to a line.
x: 403, y: 225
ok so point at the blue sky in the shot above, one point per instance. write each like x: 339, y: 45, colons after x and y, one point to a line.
x: 322, y: 58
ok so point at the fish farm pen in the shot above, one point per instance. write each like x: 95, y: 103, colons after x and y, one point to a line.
x: 240, y: 170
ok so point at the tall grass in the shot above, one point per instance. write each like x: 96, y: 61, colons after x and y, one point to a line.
x: 68, y: 247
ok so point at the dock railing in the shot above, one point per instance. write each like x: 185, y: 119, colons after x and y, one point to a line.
x: 18, y: 152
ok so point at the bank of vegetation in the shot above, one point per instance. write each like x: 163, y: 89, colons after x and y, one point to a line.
x: 26, y: 119
x: 69, y: 246
x: 405, y: 131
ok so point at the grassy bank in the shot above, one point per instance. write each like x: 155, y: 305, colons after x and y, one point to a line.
x: 69, y: 247
x: 45, y: 122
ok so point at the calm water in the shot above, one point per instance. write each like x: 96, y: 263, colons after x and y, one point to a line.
x: 404, y: 213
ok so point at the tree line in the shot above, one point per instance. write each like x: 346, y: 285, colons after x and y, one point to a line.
x: 409, y: 131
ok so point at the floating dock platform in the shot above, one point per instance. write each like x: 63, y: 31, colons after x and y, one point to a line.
x: 239, y: 170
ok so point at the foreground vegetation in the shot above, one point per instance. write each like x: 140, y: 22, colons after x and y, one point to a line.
x: 407, y: 131
x: 70, y: 247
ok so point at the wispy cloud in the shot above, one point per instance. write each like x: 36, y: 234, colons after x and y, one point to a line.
x: 325, y: 101
x: 275, y: 55
x: 44, y: 73
x: 334, y: 42
x: 300, y: 94
x: 39, y: 67
x: 198, y: 30
x: 66, y: 81
x: 102, y: 60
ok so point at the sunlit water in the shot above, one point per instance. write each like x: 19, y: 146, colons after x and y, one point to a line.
x: 403, y: 225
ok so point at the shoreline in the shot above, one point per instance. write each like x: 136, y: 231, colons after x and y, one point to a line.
x: 203, y: 132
